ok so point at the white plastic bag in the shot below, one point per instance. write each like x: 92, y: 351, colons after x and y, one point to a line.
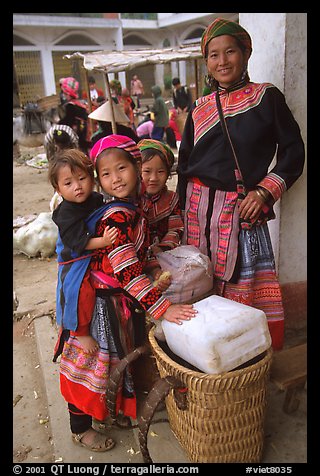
x: 191, y: 273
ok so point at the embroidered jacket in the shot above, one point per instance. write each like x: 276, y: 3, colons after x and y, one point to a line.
x: 127, y: 259
x: 165, y: 220
x: 260, y: 125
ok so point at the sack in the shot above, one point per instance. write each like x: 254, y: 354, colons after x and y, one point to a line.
x: 191, y: 273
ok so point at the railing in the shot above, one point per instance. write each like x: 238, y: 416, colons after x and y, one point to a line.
x: 139, y: 16
x: 93, y: 15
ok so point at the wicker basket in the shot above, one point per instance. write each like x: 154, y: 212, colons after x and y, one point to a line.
x: 224, y: 417
x: 48, y: 102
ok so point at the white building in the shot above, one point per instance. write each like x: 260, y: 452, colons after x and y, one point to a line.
x: 41, y: 40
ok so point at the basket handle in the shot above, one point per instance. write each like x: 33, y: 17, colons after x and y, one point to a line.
x: 159, y: 391
x: 115, y: 378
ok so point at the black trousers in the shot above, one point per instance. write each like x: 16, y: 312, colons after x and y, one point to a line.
x: 79, y: 421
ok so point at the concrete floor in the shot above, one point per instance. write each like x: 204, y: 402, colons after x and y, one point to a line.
x: 285, y: 435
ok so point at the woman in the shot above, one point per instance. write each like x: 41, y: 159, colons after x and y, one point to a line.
x: 228, y: 226
x: 136, y: 88
x: 59, y: 137
x: 75, y: 112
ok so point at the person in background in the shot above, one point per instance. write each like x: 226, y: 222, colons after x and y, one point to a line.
x: 59, y: 137
x: 160, y: 204
x: 61, y: 94
x: 144, y: 129
x: 128, y: 105
x: 75, y: 112
x: 173, y: 134
x: 161, y: 114
x: 136, y: 89
x: 182, y: 99
x: 116, y: 90
x: 96, y: 94
x: 226, y: 205
x: 104, y: 116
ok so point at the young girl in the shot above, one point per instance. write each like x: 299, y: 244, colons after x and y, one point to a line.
x: 118, y: 271
x: 160, y: 204
x: 71, y: 174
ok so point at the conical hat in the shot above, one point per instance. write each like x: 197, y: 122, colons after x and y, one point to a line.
x: 103, y: 113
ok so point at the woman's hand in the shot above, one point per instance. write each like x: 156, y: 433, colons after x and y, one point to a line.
x: 251, y: 205
x: 179, y: 312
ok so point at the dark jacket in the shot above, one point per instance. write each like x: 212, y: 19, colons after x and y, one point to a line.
x: 159, y: 108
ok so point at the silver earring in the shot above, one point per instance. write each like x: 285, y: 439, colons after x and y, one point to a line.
x: 245, y: 72
x: 209, y: 80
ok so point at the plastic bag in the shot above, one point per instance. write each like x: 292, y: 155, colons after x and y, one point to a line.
x: 191, y: 273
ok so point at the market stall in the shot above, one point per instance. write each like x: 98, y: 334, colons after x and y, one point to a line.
x: 116, y: 61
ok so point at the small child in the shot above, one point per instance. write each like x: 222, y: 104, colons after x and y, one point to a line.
x: 71, y: 174
x: 160, y: 204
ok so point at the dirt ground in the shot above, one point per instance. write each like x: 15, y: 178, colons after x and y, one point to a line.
x: 34, y: 284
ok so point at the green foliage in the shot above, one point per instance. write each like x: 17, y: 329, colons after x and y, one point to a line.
x: 167, y: 80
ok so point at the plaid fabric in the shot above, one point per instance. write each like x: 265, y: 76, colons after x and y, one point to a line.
x: 225, y: 27
x: 70, y: 86
x: 117, y: 141
x: 157, y: 145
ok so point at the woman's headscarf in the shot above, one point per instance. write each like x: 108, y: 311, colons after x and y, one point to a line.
x: 70, y: 86
x: 160, y: 146
x: 220, y: 27
x: 117, y: 141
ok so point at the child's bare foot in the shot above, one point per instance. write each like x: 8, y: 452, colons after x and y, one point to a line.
x: 93, y: 440
x: 88, y: 343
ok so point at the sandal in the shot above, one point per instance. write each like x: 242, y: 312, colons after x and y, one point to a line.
x: 99, y: 442
x: 124, y: 421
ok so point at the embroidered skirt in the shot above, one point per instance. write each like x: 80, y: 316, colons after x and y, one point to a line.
x: 243, y: 260
x: 83, y: 376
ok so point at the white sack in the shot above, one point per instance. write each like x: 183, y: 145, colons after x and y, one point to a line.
x: 37, y: 238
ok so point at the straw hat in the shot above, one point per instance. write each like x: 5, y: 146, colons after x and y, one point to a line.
x: 103, y: 113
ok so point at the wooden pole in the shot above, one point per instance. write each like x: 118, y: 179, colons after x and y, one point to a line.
x: 108, y: 95
x: 197, y: 77
x: 89, y: 101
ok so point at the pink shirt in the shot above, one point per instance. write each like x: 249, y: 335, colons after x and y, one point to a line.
x: 136, y: 87
x: 145, y: 128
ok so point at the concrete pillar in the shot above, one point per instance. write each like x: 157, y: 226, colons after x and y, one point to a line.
x: 47, y: 71
x: 279, y: 56
x: 158, y: 76
x: 182, y: 72
x: 174, y: 69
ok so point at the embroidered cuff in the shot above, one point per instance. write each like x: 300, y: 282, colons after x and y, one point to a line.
x: 274, y: 184
x: 159, y: 308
